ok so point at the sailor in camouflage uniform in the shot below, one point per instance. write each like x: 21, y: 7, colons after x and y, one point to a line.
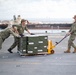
x: 72, y: 33
x: 6, y: 33
x: 20, y: 29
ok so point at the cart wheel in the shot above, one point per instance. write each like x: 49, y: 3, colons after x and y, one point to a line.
x: 52, y: 51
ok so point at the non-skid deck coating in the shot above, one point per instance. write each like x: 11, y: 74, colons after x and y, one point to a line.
x: 59, y: 63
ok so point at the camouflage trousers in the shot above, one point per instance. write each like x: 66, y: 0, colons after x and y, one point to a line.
x: 16, y: 40
x: 70, y: 41
x: 1, y: 41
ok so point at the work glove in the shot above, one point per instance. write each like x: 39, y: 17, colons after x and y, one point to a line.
x: 32, y: 34
x: 21, y: 35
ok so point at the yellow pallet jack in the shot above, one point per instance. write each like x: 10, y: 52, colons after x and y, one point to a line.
x: 51, y: 46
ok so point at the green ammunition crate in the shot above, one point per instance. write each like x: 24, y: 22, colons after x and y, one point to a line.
x: 43, y: 40
x: 33, y: 44
x: 22, y: 44
x: 43, y: 43
x: 42, y: 48
x: 32, y: 49
x: 32, y: 40
x: 37, y: 44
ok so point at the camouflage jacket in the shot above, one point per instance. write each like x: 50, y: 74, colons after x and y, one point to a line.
x: 21, y: 29
x: 73, y: 28
x: 6, y: 33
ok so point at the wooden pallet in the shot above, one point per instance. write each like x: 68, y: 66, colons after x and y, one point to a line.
x: 26, y: 54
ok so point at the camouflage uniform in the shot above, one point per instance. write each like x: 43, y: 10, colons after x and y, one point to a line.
x: 21, y: 31
x: 4, y: 35
x: 72, y: 36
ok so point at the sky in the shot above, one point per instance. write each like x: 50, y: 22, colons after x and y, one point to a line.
x: 60, y: 10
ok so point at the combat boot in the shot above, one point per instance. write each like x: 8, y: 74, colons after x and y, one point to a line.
x: 9, y: 50
x: 68, y: 51
x: 74, y: 50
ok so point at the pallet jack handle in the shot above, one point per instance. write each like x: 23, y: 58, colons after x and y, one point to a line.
x: 61, y: 39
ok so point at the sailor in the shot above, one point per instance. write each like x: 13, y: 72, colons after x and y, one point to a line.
x: 20, y: 28
x: 6, y: 33
x: 72, y: 33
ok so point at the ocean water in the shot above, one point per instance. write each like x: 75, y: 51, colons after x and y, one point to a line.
x: 43, y: 31
x: 48, y: 31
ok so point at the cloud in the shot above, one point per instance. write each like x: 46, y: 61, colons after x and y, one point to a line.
x: 38, y: 8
